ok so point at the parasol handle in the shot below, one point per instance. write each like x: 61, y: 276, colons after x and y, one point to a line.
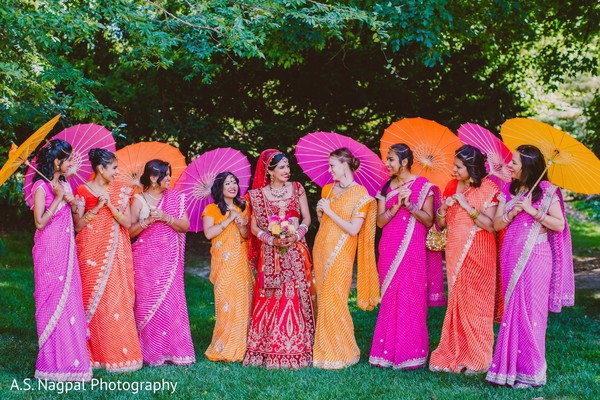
x: 36, y: 170
x: 540, y: 178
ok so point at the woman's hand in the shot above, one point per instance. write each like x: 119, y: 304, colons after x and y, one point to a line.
x: 59, y: 191
x: 450, y: 201
x: 462, y: 200
x: 324, y: 205
x: 527, y: 207
x: 404, y: 196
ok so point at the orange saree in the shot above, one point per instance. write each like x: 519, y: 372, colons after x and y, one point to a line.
x: 232, y: 278
x: 333, y: 257
x: 471, y: 263
x: 106, y: 265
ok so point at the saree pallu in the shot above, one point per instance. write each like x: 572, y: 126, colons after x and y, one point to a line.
x: 411, y: 280
x: 471, y: 262
x: 333, y: 256
x: 59, y: 315
x: 160, y: 309
x: 232, y: 278
x: 282, y: 326
x: 537, y: 268
x: 104, y: 251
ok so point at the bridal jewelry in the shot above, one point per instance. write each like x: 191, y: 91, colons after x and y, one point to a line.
x: 278, y: 193
x: 154, y: 198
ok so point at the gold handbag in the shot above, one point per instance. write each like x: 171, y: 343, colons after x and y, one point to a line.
x: 436, y: 240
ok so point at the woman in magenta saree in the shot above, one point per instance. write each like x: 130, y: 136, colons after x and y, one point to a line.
x: 411, y: 276
x: 59, y: 314
x: 159, y: 222
x: 537, y: 270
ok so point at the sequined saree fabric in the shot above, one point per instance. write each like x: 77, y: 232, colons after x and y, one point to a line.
x: 471, y: 263
x: 105, y: 261
x: 334, y: 253
x: 232, y: 278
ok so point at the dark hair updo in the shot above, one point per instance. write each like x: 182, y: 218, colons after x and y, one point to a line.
x: 99, y: 156
x: 474, y: 161
x: 275, y: 160
x: 345, y: 156
x: 217, y: 192
x: 56, y: 149
x: 154, y: 168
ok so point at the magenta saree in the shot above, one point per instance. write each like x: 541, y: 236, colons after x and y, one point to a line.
x: 411, y: 280
x: 59, y: 314
x: 160, y: 308
x: 537, y: 269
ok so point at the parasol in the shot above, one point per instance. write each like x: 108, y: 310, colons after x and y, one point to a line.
x: 18, y: 156
x: 433, y: 146
x: 571, y: 165
x: 82, y: 138
x: 312, y: 153
x: 498, y: 155
x: 134, y: 157
x: 197, y: 180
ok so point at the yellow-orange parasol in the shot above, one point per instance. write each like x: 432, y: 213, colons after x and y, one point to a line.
x: 18, y: 155
x: 571, y: 165
x: 433, y: 146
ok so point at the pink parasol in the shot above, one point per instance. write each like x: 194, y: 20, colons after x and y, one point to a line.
x: 312, y: 153
x: 498, y: 155
x: 197, y: 179
x: 82, y: 138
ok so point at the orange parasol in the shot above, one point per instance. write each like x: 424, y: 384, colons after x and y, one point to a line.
x: 433, y: 147
x: 18, y: 155
x: 571, y: 165
x: 134, y: 157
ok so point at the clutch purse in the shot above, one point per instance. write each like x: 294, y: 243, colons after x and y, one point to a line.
x: 436, y: 240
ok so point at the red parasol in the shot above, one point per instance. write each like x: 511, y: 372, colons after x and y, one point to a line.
x: 498, y: 155
x: 82, y: 138
x: 312, y: 153
x: 197, y: 179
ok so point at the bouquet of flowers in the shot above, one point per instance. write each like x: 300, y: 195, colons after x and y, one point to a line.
x: 282, y: 226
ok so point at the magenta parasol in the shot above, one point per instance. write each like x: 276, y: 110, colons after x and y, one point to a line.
x: 498, y: 155
x: 312, y: 153
x: 197, y: 179
x: 82, y: 138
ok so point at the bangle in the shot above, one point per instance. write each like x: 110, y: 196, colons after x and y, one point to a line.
x: 439, y: 214
x: 506, y: 219
x: 412, y: 207
x: 474, y: 214
x: 50, y: 213
x: 540, y: 216
x: 388, y: 214
x: 88, y: 217
x: 271, y: 241
x: 118, y: 216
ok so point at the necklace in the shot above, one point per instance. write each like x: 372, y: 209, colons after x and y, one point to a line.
x: 345, y: 186
x: 278, y: 193
x: 154, y: 198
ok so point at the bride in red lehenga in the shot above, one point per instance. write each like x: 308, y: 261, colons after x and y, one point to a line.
x: 282, y: 327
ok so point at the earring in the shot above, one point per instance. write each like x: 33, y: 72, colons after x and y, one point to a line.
x: 57, y: 168
x: 154, y: 184
x: 470, y: 181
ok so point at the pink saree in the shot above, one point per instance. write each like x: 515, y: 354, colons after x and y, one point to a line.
x: 537, y: 269
x: 160, y: 308
x: 59, y: 314
x: 411, y: 280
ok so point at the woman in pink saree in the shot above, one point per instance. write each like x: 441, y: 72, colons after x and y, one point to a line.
x: 59, y: 313
x: 159, y: 222
x: 537, y: 270
x: 411, y: 276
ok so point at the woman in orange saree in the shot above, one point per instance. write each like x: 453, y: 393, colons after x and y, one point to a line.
x: 282, y: 326
x: 226, y: 225
x: 105, y: 262
x: 471, y: 262
x: 347, y: 214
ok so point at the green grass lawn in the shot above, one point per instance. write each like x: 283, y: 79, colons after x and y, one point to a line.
x: 573, y: 355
